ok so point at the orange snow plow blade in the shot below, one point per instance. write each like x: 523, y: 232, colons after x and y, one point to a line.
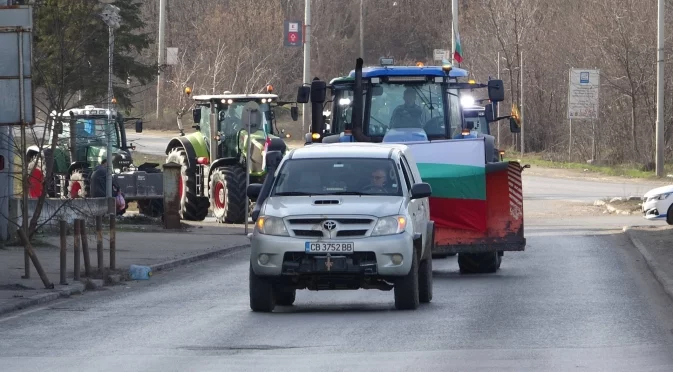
x: 505, y: 226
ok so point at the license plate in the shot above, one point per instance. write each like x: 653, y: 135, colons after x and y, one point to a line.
x: 320, y: 247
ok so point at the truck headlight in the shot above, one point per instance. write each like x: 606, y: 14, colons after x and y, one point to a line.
x: 271, y: 226
x: 390, y: 225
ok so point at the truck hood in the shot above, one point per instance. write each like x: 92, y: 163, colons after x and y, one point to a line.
x: 659, y: 191
x: 376, y: 206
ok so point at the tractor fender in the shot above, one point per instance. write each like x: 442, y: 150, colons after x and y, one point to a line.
x: 223, y: 162
x: 277, y: 144
x: 189, y: 149
x: 490, y: 152
x: 77, y: 165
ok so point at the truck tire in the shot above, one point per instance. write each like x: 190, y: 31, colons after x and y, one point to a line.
x: 227, y: 194
x: 479, y: 263
x: 262, y: 298
x: 78, y: 184
x: 192, y: 206
x: 425, y: 281
x: 285, y: 296
x: 406, y: 288
x: 151, y: 207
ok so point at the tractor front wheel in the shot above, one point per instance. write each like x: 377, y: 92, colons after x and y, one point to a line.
x: 227, y: 194
x: 192, y: 206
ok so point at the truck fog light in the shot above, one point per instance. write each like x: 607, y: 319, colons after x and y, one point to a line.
x: 396, y: 259
x: 263, y: 259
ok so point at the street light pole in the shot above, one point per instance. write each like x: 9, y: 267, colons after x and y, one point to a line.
x: 111, y: 18
x: 162, y: 58
x: 307, y: 59
x: 659, y: 159
x: 521, y: 91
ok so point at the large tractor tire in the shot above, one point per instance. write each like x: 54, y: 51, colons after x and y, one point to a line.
x: 192, y: 207
x: 227, y: 194
x: 36, y: 179
x: 78, y: 184
x: 479, y: 263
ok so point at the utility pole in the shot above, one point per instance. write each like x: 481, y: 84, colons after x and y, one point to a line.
x: 307, y: 60
x: 523, y: 148
x: 162, y: 58
x: 659, y: 159
x: 454, y: 27
x: 362, y: 31
x: 111, y: 18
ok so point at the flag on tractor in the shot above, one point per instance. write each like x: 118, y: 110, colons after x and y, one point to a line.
x: 458, y: 50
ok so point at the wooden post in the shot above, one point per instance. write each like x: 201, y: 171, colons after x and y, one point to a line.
x: 99, y: 243
x: 63, y: 227
x: 113, y: 241
x: 85, y: 248
x: 77, y: 252
x: 29, y: 249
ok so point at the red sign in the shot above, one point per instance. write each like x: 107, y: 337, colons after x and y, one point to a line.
x: 292, y: 37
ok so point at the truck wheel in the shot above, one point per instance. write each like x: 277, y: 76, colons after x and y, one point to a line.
x: 285, y: 297
x: 151, y: 207
x: 262, y: 298
x: 227, y: 194
x: 192, y: 206
x: 406, y: 288
x: 479, y: 263
x: 425, y: 281
x: 78, y: 184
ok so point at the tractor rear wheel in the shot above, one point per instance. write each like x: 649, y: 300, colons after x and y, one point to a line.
x: 192, y: 206
x: 227, y: 194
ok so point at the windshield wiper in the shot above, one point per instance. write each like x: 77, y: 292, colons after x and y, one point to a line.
x: 294, y: 193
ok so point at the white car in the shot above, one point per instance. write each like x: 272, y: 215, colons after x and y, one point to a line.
x: 658, y: 204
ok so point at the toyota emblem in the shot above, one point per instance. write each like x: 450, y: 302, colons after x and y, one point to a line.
x: 329, y: 225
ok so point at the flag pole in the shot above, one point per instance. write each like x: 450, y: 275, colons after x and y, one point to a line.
x: 454, y: 28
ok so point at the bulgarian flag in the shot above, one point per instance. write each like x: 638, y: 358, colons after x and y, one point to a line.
x: 267, y: 143
x: 455, y: 169
x: 458, y: 50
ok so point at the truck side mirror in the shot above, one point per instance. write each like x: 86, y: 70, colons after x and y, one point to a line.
x: 489, y: 113
x: 421, y: 190
x: 254, y: 190
x: 303, y: 94
x: 318, y: 91
x: 196, y: 115
x: 294, y: 113
x: 514, y: 126
x: 496, y: 90
x: 139, y: 126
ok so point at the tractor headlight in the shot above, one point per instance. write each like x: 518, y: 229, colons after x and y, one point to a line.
x: 268, y: 225
x: 390, y: 225
x: 117, y: 170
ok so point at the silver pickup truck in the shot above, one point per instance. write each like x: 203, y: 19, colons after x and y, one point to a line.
x: 343, y: 216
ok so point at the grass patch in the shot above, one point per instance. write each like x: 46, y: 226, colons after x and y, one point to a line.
x: 621, y: 170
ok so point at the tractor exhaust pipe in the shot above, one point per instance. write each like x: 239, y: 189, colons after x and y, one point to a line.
x: 358, y: 105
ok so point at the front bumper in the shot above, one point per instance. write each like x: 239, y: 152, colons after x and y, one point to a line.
x: 651, y: 210
x: 371, y: 256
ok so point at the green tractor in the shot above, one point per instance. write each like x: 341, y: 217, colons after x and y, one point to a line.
x: 81, y: 146
x: 216, y: 179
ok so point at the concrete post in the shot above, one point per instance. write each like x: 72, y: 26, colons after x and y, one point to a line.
x: 171, y: 195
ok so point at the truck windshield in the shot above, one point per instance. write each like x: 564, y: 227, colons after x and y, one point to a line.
x: 337, y: 176
x: 90, y: 130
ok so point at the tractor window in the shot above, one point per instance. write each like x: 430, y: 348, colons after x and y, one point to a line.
x: 230, y: 120
x: 343, y: 111
x: 478, y: 120
x: 93, y: 130
x: 205, y: 122
x: 455, y: 116
x: 406, y: 106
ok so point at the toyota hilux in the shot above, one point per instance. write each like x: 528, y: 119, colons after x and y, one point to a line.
x: 342, y: 216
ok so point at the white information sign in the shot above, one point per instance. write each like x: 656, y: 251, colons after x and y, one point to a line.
x: 172, y: 56
x: 440, y: 54
x: 583, y: 89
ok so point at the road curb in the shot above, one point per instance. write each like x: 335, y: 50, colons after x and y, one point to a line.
x: 198, y: 257
x: 74, y: 288
x: 93, y: 284
x: 652, y: 264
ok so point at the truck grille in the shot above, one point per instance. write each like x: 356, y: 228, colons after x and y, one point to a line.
x: 346, y: 226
